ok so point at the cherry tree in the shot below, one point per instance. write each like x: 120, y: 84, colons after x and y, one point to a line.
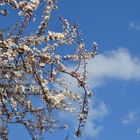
x: 33, y: 88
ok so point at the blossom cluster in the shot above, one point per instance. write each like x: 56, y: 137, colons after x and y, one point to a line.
x: 31, y: 69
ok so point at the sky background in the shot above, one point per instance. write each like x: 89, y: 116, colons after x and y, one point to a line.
x: 114, y: 74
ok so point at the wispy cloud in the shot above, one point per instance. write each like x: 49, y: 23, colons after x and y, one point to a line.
x: 97, y: 113
x: 117, y: 64
x: 134, y: 25
x: 129, y: 118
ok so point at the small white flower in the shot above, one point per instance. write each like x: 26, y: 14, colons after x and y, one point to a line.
x: 95, y: 44
x: 41, y: 64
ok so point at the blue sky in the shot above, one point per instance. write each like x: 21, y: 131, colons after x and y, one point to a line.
x: 114, y: 73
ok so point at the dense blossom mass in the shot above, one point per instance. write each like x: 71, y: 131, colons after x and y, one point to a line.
x: 32, y: 70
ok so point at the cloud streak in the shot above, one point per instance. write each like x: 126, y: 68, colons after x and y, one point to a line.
x: 134, y: 25
x: 94, y: 126
x: 129, y: 118
x: 97, y: 113
x: 118, y: 64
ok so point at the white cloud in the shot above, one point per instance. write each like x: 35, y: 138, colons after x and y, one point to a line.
x: 96, y: 115
x: 134, y: 25
x: 131, y: 117
x: 118, y: 64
